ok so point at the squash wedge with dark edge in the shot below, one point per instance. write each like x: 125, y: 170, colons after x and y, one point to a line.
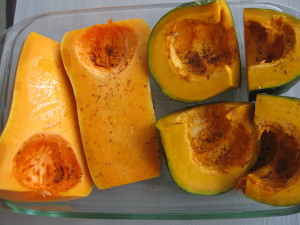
x: 193, y: 52
x: 210, y: 147
x: 107, y: 66
x: 276, y: 177
x: 272, y: 51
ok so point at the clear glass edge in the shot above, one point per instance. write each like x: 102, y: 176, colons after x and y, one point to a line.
x: 140, y: 216
x: 153, y: 216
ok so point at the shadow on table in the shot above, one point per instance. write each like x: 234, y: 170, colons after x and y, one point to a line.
x: 10, y: 12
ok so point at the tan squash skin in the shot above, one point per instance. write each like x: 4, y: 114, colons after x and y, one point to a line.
x: 42, y: 158
x: 108, y: 70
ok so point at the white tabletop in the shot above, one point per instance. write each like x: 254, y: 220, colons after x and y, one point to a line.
x: 27, y: 8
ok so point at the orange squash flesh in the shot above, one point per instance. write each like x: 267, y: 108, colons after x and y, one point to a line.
x: 108, y: 70
x: 272, y: 51
x: 211, y: 146
x: 275, y: 179
x: 42, y: 158
x: 193, y: 52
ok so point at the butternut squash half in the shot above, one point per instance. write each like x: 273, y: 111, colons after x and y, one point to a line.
x: 193, y: 52
x: 107, y: 66
x: 41, y: 154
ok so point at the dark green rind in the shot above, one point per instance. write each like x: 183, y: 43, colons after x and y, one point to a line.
x: 182, y: 186
x: 196, y: 3
x: 189, y: 4
x: 180, y: 100
x: 274, y: 90
x: 189, y: 101
x: 192, y: 192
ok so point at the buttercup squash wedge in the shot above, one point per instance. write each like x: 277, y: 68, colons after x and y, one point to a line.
x: 276, y: 177
x: 193, y: 52
x: 107, y: 66
x: 210, y: 147
x: 41, y: 154
x: 272, y: 51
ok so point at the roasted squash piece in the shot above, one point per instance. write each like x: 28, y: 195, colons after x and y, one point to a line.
x: 193, y: 52
x: 276, y: 178
x: 210, y: 147
x: 107, y: 66
x: 41, y: 154
x: 272, y: 51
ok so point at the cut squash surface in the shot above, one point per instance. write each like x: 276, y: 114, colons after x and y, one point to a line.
x: 272, y: 52
x: 276, y: 176
x: 210, y: 147
x: 193, y: 52
x: 107, y: 66
x: 42, y: 158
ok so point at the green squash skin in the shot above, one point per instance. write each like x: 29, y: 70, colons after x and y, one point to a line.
x: 195, y: 193
x: 196, y: 3
x: 189, y: 4
x: 178, y: 183
x: 274, y: 90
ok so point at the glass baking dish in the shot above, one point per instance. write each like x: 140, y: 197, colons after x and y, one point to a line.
x: 158, y: 198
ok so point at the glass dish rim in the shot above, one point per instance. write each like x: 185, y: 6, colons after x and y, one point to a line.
x: 20, y: 26
x: 152, y: 216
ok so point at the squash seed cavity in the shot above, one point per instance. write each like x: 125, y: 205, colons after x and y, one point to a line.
x: 218, y: 142
x: 198, y: 49
x: 107, y: 47
x: 269, y: 42
x: 279, y: 158
x: 47, y: 164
